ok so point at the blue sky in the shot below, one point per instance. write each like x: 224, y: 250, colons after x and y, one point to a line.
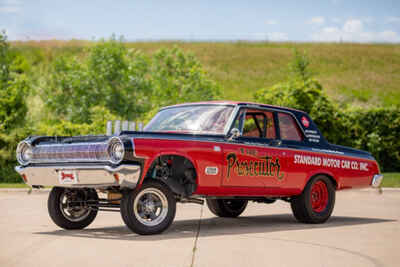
x: 327, y: 20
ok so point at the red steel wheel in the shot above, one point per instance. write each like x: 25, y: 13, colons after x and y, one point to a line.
x: 316, y: 202
x: 319, y: 196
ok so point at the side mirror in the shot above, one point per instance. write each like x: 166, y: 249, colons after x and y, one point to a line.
x: 235, y: 133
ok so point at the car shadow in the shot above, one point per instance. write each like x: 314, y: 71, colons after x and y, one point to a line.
x: 217, y: 227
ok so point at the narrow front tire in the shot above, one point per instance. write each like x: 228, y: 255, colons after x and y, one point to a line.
x: 69, y: 209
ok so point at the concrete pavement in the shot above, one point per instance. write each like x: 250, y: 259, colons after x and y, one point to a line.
x: 364, y: 231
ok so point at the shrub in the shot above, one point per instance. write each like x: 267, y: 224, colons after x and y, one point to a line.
x: 306, y: 94
x: 8, y: 145
x: 13, y: 109
x: 99, y: 115
x: 376, y: 130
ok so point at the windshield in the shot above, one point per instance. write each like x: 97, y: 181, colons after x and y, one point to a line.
x: 206, y: 119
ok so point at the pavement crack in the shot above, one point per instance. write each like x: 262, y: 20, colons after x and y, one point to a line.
x: 371, y: 259
x: 197, y: 237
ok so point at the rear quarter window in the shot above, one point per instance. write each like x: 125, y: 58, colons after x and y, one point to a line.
x: 288, y: 127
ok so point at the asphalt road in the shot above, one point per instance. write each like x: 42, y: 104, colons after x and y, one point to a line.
x: 364, y: 231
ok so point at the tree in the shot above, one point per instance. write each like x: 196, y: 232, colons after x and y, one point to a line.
x: 177, y: 77
x: 13, y: 88
x: 301, y: 91
x: 13, y: 109
x: 126, y: 82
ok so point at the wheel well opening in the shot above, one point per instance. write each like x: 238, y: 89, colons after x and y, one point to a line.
x: 334, y: 182
x: 177, y: 172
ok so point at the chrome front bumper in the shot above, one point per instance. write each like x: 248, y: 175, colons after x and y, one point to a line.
x: 376, y: 180
x: 86, y: 176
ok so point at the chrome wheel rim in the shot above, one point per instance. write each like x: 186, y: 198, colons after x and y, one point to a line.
x: 150, y: 207
x: 73, y: 213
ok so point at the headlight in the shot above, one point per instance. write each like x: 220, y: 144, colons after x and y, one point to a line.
x: 24, y: 153
x: 116, y: 150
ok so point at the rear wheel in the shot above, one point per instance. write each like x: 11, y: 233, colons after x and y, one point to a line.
x: 68, y: 208
x: 227, y: 207
x: 315, y: 204
x: 149, y: 210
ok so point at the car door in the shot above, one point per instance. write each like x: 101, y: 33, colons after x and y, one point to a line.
x: 250, y: 159
x: 292, y: 140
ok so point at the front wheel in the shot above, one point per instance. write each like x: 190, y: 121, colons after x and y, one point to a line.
x: 227, y: 207
x: 315, y: 204
x: 69, y: 209
x: 149, y: 210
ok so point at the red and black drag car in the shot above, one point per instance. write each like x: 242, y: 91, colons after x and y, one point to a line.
x: 227, y: 153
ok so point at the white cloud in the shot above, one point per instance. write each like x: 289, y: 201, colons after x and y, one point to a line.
x: 10, y: 6
x: 266, y: 36
x: 12, y: 2
x: 353, y: 25
x: 389, y: 36
x: 9, y: 9
x: 278, y: 36
x: 271, y: 22
x: 336, y: 20
x: 317, y: 20
x: 353, y: 31
x: 393, y: 20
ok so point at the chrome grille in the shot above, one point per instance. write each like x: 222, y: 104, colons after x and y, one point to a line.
x: 79, y: 152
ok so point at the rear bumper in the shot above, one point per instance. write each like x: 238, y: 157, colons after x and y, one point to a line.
x: 376, y: 180
x: 86, y: 176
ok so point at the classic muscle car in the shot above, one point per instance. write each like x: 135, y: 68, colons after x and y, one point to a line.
x: 227, y: 153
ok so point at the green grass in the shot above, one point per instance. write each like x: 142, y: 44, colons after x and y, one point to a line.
x: 391, y: 179
x: 361, y: 74
x: 13, y: 185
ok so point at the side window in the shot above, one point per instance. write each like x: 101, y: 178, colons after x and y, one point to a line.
x: 258, y: 123
x: 252, y: 127
x: 288, y: 128
x: 270, y: 126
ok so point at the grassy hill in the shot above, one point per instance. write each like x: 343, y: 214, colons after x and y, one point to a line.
x: 360, y: 74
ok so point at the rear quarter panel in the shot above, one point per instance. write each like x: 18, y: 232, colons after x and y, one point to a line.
x: 347, y: 171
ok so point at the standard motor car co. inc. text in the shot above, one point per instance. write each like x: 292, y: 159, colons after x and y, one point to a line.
x: 330, y: 162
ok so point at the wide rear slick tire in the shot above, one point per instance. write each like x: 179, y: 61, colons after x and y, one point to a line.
x: 316, y: 203
x: 150, y: 209
x: 71, y: 217
x: 227, y: 207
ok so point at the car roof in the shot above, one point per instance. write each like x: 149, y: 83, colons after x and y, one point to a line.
x: 234, y: 103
